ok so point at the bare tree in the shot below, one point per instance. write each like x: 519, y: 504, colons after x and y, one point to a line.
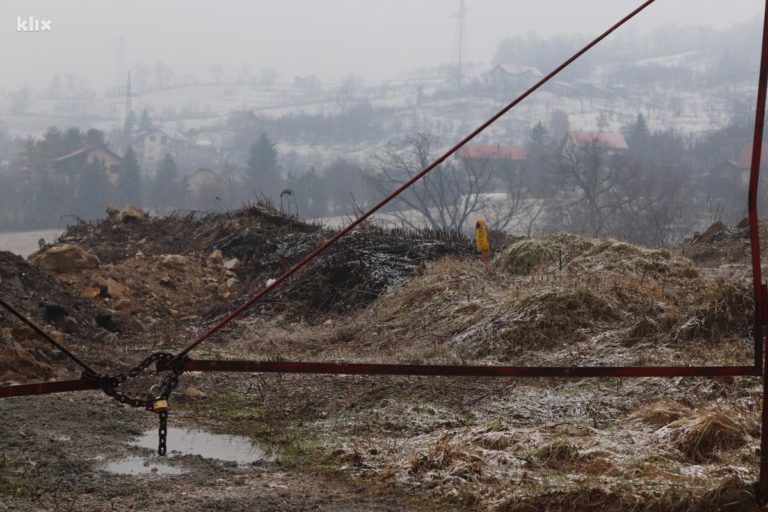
x: 450, y: 195
x: 593, y: 172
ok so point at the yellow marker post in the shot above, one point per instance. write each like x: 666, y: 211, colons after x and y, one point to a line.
x: 481, y: 241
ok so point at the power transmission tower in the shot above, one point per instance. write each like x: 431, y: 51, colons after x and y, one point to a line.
x: 461, y: 53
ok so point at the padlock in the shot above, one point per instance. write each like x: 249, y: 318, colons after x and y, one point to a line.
x: 160, y: 405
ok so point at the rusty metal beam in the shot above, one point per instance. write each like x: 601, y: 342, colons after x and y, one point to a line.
x: 44, y: 388
x: 468, y: 371
x: 761, y: 297
x: 318, y: 368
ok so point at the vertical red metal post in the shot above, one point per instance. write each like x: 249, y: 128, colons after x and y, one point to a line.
x: 754, y: 235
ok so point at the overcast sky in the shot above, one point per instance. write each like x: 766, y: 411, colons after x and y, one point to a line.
x: 331, y: 38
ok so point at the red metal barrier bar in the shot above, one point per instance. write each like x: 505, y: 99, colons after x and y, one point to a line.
x: 44, y: 388
x: 469, y: 371
x: 234, y: 314
x: 754, y: 238
x: 204, y: 365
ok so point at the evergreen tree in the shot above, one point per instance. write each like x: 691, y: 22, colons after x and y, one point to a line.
x: 262, y: 170
x: 168, y: 190
x: 129, y: 180
x: 638, y: 136
x: 539, y: 158
x: 94, y: 191
x: 130, y: 125
x: 145, y: 123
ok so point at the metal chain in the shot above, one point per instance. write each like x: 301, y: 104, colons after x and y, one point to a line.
x: 109, y: 385
x: 162, y: 432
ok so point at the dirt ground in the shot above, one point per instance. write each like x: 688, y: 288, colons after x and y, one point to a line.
x: 385, y: 443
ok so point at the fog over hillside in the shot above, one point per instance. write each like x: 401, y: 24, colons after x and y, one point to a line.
x: 219, y: 107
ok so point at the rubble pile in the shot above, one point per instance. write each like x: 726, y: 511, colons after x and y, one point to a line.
x: 254, y: 244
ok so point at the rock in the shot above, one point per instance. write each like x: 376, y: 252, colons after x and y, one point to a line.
x: 194, y: 394
x: 149, y: 323
x: 229, y: 273
x: 115, y: 289
x: 64, y: 258
x: 104, y: 319
x: 52, y: 311
x: 91, y: 292
x: 139, y: 255
x: 70, y: 325
x: 123, y: 305
x: 216, y: 257
x: 231, y: 282
x: 173, y: 260
x: 167, y: 281
x: 131, y: 214
x: 112, y: 211
x: 231, y: 264
x: 116, y: 321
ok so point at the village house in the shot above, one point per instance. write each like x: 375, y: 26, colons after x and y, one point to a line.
x: 74, y: 161
x: 153, y: 144
x: 505, y: 76
x: 492, y: 152
x: 611, y: 142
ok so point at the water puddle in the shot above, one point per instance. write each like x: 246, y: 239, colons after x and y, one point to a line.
x: 140, y: 466
x: 184, y: 441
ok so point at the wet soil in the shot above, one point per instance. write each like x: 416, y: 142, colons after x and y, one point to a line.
x: 54, y: 451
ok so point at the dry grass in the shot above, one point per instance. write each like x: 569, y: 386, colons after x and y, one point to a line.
x: 448, y: 454
x: 724, y: 309
x: 661, y: 413
x: 454, y: 312
x: 558, y: 451
x: 701, y: 437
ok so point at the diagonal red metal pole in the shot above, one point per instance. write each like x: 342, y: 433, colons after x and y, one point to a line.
x: 754, y: 236
x: 40, y: 332
x: 237, y: 312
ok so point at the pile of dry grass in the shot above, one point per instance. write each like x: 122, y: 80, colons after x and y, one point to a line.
x: 701, y: 436
x: 588, y: 256
x: 661, y: 413
x: 529, y: 254
x: 559, y: 451
x: 723, y: 309
x: 447, y: 454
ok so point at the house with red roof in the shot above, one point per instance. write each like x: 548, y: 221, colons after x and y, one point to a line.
x: 491, y: 152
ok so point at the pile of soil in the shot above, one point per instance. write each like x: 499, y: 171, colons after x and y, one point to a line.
x: 720, y: 244
x: 262, y: 244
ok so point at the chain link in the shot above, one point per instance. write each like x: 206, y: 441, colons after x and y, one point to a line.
x: 110, y: 383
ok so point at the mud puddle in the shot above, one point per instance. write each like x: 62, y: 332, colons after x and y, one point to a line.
x: 184, y: 441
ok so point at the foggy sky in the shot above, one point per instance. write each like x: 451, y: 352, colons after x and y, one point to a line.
x: 330, y: 38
